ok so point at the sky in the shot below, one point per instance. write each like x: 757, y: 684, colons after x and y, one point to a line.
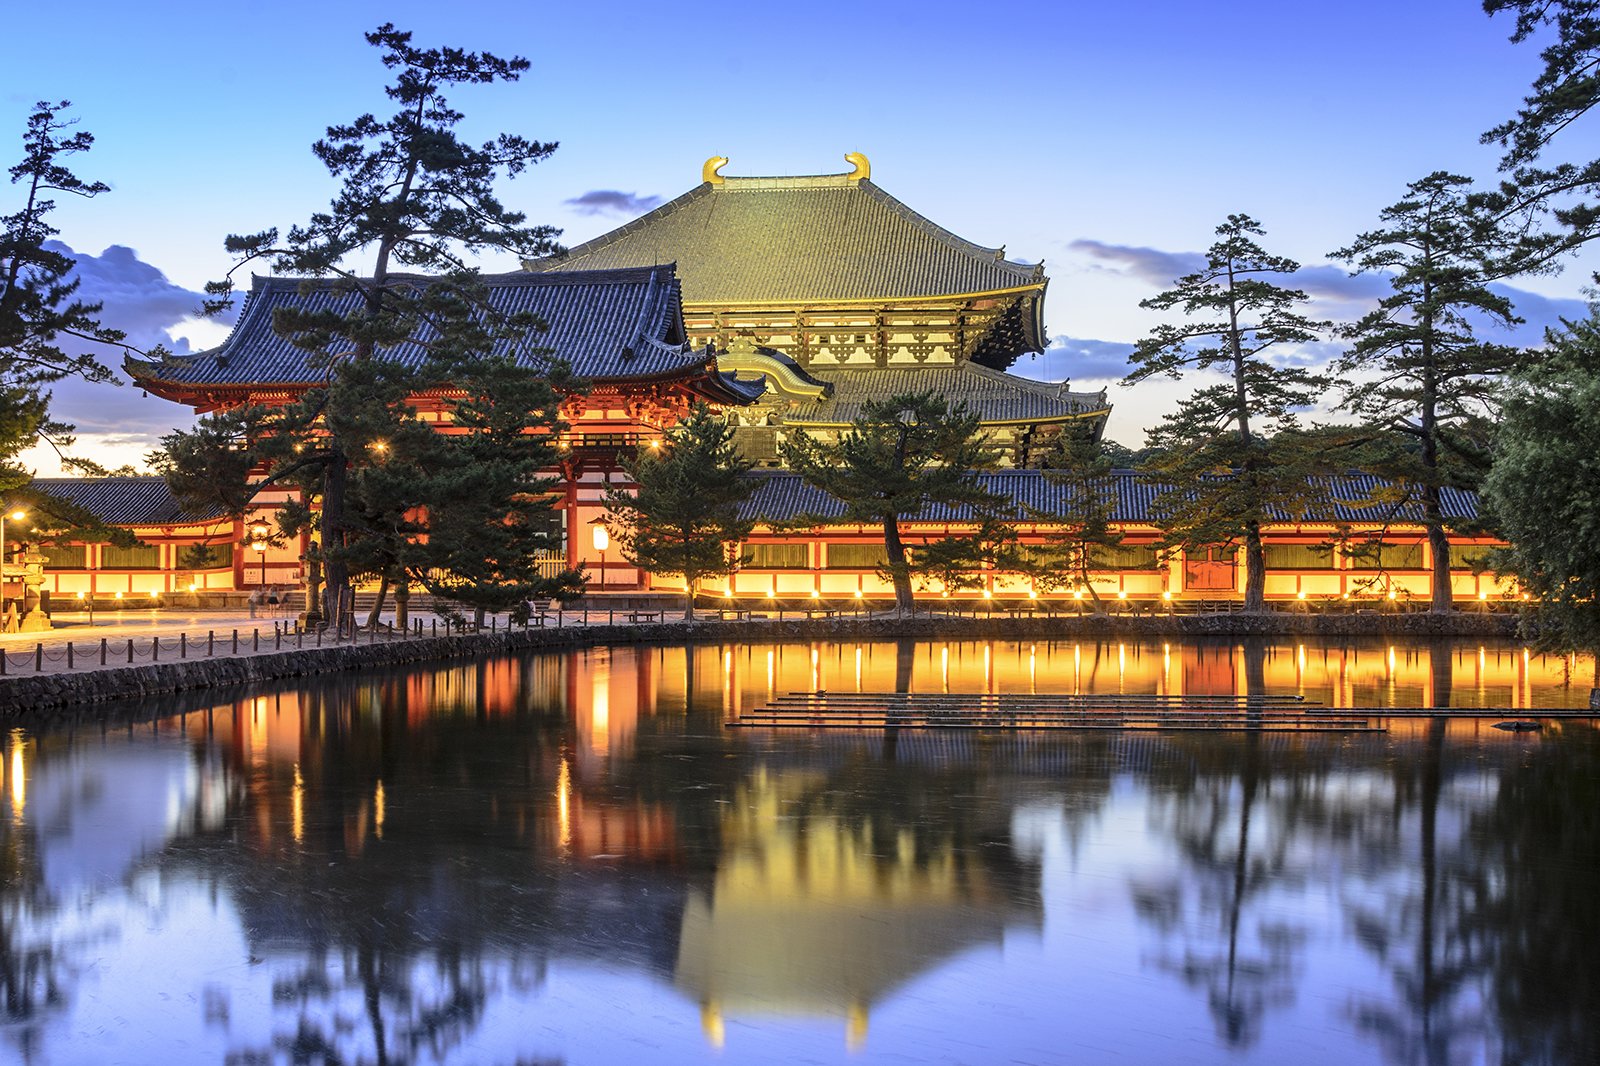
x: 1108, y: 140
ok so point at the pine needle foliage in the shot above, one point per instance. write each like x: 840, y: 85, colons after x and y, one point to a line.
x: 1228, y: 449
x: 900, y: 457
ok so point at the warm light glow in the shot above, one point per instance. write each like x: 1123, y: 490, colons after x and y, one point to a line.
x: 379, y: 446
x: 988, y: 595
x: 600, y: 711
x: 1122, y: 594
x: 193, y: 587
x: 80, y: 594
x: 1391, y: 594
x: 564, y: 803
x: 816, y: 595
x: 119, y: 595
x: 727, y: 594
x: 1077, y: 594
x: 602, y: 537
x: 1300, y: 595
x: 655, y: 444
x: 1167, y: 596
x: 858, y: 594
x: 19, y: 780
x: 1483, y: 595
x: 155, y: 594
x: 1032, y: 595
x: 297, y: 806
x: 378, y: 810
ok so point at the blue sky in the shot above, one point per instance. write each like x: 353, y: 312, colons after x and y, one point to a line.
x: 1108, y: 140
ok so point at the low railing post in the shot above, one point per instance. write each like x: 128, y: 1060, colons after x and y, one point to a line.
x: 236, y: 642
x: 102, y: 651
x: 155, y: 649
x: 183, y: 645
x: 38, y: 658
x: 69, y: 655
x: 130, y: 649
x: 211, y: 642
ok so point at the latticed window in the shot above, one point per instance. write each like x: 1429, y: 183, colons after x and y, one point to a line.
x: 1297, y: 556
x: 857, y: 556
x: 206, y: 556
x: 776, y: 557
x: 65, y: 557
x: 138, y: 557
x: 1473, y: 557
x: 1385, y: 556
x: 1124, y: 557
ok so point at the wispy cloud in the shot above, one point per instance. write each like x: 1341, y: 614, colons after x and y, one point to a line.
x: 1150, y: 265
x: 612, y: 202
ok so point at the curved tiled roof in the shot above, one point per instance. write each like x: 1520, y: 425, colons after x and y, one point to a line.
x: 123, y: 501
x: 1346, y: 498
x: 993, y: 395
x: 811, y: 239
x: 608, y: 325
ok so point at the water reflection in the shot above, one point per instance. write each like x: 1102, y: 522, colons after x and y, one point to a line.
x: 569, y: 858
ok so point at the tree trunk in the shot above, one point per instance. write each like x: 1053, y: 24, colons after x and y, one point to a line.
x: 336, y: 573
x: 1255, y: 569
x: 377, y: 604
x: 898, y: 570
x: 688, y: 601
x: 402, y: 605
x: 1443, y: 599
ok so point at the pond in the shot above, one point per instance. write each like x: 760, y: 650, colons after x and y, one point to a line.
x: 569, y: 858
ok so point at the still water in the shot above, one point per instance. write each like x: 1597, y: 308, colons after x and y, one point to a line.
x: 569, y: 859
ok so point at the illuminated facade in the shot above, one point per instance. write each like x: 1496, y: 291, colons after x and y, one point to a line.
x: 835, y: 293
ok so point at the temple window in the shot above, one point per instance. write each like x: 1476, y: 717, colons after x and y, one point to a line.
x: 1386, y: 557
x: 777, y: 557
x: 856, y: 556
x: 138, y: 557
x: 1297, y: 556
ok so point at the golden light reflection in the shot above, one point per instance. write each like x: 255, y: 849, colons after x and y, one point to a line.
x: 944, y: 666
x: 858, y: 668
x: 600, y: 711
x: 297, y: 801
x: 564, y: 803
x: 772, y: 674
x: 378, y: 810
x: 816, y: 669
x: 19, y: 778
x: 1033, y: 668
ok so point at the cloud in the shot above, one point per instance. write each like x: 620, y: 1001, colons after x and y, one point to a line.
x: 1082, y: 359
x: 612, y: 202
x: 138, y: 298
x: 1150, y: 265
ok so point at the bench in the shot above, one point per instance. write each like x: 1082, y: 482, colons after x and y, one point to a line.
x: 643, y: 616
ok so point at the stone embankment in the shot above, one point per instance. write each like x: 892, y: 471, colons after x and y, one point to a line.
x: 34, y: 695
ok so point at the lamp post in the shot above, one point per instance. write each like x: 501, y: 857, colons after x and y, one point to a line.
x: 602, y: 541
x: 17, y: 515
x: 258, y: 544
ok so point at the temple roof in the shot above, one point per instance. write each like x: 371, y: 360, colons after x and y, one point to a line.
x: 608, y: 325
x: 1346, y: 498
x: 829, y: 238
x: 993, y: 395
x: 123, y: 501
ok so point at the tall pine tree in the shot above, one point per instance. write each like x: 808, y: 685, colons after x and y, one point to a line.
x: 685, y: 511
x: 1229, y: 450
x: 413, y: 196
x: 44, y: 327
x: 1416, y: 370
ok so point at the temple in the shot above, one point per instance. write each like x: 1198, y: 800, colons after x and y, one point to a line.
x: 836, y: 293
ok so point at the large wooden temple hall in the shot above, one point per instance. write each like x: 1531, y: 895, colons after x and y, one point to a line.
x: 788, y: 302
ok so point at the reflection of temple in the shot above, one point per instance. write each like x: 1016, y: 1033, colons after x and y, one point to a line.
x: 814, y: 913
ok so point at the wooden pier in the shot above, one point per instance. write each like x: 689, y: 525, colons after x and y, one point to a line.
x: 1029, y: 712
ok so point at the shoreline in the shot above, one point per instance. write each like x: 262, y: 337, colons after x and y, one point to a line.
x: 23, y: 695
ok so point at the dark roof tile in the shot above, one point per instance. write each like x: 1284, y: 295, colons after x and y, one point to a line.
x: 123, y: 501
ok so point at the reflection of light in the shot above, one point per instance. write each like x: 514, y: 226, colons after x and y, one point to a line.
x: 1122, y: 662
x: 944, y: 666
x: 297, y: 802
x: 855, y: 1033
x: 816, y: 669
x: 772, y: 675
x: 600, y: 712
x: 564, y: 803
x: 19, y: 780
x: 1391, y: 660
x: 711, y: 1022
x: 378, y: 810
x: 858, y: 668
x: 1033, y: 668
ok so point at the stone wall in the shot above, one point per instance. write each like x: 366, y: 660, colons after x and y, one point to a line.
x: 24, y: 696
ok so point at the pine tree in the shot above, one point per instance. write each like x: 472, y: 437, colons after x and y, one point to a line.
x: 1416, y: 371
x: 40, y: 315
x: 900, y: 457
x: 413, y: 195
x: 686, y: 508
x: 1085, y: 531
x: 1543, y: 491
x: 1224, y: 449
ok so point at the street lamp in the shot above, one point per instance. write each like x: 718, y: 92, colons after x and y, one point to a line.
x: 18, y: 515
x: 258, y: 544
x: 602, y: 541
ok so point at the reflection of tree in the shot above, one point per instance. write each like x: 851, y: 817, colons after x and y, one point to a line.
x: 1540, y: 924
x: 33, y: 974
x: 1245, y: 969
x: 1419, y: 929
